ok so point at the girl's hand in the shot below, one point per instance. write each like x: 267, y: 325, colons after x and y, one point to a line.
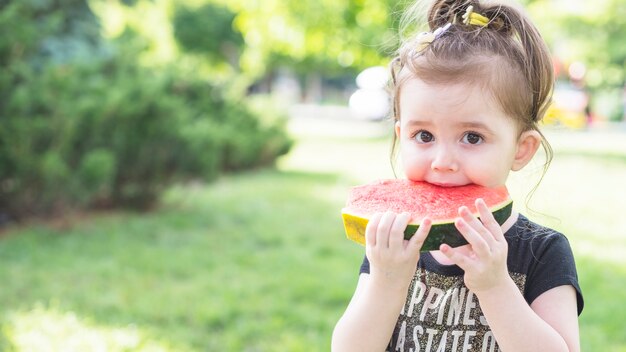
x: 484, y: 260
x: 393, y: 260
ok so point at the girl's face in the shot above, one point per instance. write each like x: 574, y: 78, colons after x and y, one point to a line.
x: 456, y: 134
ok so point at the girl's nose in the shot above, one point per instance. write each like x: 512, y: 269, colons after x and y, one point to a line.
x: 444, y: 160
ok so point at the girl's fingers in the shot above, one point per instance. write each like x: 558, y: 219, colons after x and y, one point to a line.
x: 477, y: 226
x: 486, y: 217
x: 396, y: 236
x: 456, y: 256
x: 420, y: 235
x: 384, y: 227
x: 478, y: 243
x: 370, y: 230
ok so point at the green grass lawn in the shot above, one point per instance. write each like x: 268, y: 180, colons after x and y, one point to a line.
x: 259, y: 261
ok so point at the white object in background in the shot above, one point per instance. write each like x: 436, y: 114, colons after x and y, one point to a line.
x: 371, y: 101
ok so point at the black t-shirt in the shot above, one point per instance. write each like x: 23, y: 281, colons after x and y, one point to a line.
x: 441, y: 314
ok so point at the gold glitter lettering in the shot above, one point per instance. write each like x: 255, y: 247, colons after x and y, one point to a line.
x: 470, y: 304
x: 417, y: 329
x: 443, y: 342
x: 483, y: 321
x: 433, y: 299
x: 456, y: 303
x: 401, y: 337
x: 489, y: 342
x: 469, y: 335
x: 441, y: 314
x: 455, y: 342
x: 431, y: 334
x: 442, y: 307
x: 416, y: 297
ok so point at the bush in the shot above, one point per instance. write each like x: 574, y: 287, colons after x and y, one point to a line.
x: 82, y: 124
x: 111, y: 133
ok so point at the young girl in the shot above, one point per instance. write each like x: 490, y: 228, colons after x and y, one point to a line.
x: 468, y: 96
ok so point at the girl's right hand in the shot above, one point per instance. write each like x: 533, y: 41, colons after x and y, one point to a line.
x: 393, y: 260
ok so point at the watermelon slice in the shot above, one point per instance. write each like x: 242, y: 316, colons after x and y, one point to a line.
x: 441, y: 204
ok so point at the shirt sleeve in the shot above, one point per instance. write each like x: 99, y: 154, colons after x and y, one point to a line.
x: 553, y: 266
x: 365, y: 266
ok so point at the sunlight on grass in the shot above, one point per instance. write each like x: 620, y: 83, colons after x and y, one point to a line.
x: 352, y: 149
x: 42, y: 329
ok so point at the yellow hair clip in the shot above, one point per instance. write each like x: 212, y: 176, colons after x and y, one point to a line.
x: 471, y: 17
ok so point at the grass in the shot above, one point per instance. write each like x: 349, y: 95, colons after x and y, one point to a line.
x: 259, y: 261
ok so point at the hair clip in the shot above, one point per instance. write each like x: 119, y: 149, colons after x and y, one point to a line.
x: 441, y: 30
x: 471, y: 17
x: 424, y: 39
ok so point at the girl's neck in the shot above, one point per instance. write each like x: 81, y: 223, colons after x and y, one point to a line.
x: 443, y: 260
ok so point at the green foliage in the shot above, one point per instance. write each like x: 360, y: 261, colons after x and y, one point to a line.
x: 324, y: 36
x: 331, y: 37
x: 591, y: 33
x: 116, y: 134
x: 207, y: 30
x: 107, y: 131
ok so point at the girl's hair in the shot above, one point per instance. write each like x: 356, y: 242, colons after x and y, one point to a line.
x: 507, y: 57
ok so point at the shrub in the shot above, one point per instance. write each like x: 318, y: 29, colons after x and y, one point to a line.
x: 114, y: 134
x: 83, y: 124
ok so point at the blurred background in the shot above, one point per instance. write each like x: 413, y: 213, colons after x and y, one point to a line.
x: 172, y: 172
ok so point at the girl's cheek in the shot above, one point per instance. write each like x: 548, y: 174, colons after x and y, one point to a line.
x: 487, y: 176
x: 414, y: 171
x: 414, y: 161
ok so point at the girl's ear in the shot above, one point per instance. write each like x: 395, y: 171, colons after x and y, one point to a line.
x: 397, y: 128
x: 527, y: 146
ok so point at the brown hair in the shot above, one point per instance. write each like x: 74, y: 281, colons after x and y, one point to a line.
x: 507, y: 57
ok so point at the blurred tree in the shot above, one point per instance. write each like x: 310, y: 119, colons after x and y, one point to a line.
x: 314, y: 39
x: 197, y: 36
x: 591, y: 32
x: 208, y: 30
x: 332, y: 37
x: 257, y: 38
x: 83, y: 123
x: 67, y: 31
x: 38, y: 35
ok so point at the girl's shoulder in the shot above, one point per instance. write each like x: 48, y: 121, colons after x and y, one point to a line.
x: 528, y: 234
x: 534, y: 249
x: 541, y: 258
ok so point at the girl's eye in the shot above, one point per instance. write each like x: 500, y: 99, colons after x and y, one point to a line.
x: 424, y: 137
x: 472, y: 138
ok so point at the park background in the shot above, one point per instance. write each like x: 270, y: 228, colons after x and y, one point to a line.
x: 172, y: 172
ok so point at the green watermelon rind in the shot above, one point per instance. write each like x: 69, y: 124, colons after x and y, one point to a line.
x: 448, y: 233
x: 442, y: 231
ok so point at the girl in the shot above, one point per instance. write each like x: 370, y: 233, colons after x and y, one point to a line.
x: 468, y: 96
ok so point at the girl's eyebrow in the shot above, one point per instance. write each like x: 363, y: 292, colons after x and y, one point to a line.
x: 477, y: 125
x: 469, y: 124
x: 414, y: 122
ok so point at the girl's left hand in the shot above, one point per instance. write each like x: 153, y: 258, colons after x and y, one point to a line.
x: 484, y: 260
